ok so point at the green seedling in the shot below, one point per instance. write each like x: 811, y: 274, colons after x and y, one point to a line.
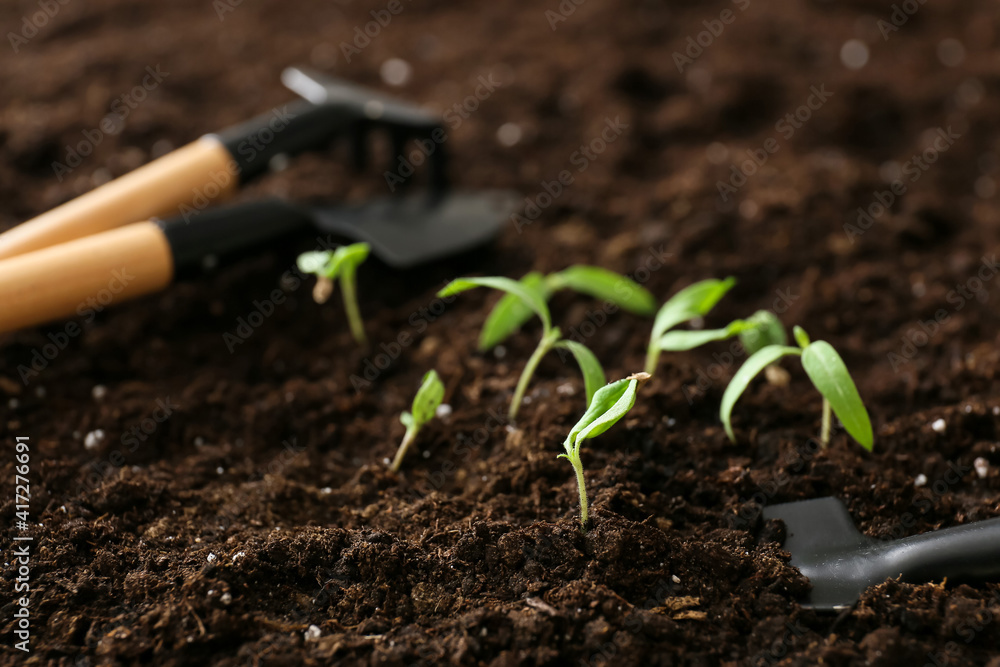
x: 828, y: 374
x: 425, y: 405
x: 511, y: 312
x: 611, y: 403
x: 593, y: 374
x: 328, y: 266
x: 691, y: 302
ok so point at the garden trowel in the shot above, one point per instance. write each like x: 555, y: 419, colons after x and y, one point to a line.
x: 145, y: 257
x: 841, y: 563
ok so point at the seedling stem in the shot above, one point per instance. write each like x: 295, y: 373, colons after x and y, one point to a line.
x: 408, y: 438
x: 581, y: 482
x: 544, y: 346
x: 348, y: 291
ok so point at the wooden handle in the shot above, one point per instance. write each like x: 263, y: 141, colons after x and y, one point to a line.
x: 197, y: 174
x: 83, y: 276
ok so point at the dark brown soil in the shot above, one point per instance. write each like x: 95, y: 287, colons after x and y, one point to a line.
x: 262, y: 505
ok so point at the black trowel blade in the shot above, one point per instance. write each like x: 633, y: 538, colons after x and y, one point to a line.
x: 406, y: 231
x: 827, y: 548
x: 841, y: 563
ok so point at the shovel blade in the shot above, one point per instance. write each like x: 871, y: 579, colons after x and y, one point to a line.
x: 828, y: 549
x: 406, y: 231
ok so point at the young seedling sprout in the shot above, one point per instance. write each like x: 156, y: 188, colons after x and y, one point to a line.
x: 425, y: 405
x: 593, y: 374
x: 691, y: 302
x: 828, y: 374
x: 610, y: 403
x: 511, y: 312
x: 328, y: 266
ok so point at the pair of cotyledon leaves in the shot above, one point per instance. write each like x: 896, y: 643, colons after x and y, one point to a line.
x: 511, y: 311
x: 828, y: 374
x: 610, y: 403
x: 530, y: 295
x: 333, y: 264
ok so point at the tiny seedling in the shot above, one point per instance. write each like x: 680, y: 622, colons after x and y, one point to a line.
x: 691, y: 302
x: 828, y: 374
x: 425, y: 405
x: 593, y: 374
x: 511, y: 312
x: 611, y: 403
x: 328, y: 266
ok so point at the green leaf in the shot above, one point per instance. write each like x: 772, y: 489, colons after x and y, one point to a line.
x: 428, y: 399
x: 347, y: 258
x: 510, y: 313
x: 801, y: 337
x: 606, y: 285
x: 406, y: 418
x: 610, y: 403
x: 765, y: 329
x: 529, y: 296
x: 313, y: 262
x: 593, y: 374
x: 691, y: 302
x: 677, y: 341
x: 830, y: 376
x: 747, y: 372
x: 332, y: 264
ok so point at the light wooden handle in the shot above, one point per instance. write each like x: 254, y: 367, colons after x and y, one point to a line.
x: 197, y: 174
x: 83, y: 276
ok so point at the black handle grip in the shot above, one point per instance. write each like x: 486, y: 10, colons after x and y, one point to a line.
x: 294, y: 128
x: 969, y: 552
x: 230, y: 230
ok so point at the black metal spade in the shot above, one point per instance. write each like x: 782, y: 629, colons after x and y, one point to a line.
x: 403, y: 231
x: 841, y: 563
